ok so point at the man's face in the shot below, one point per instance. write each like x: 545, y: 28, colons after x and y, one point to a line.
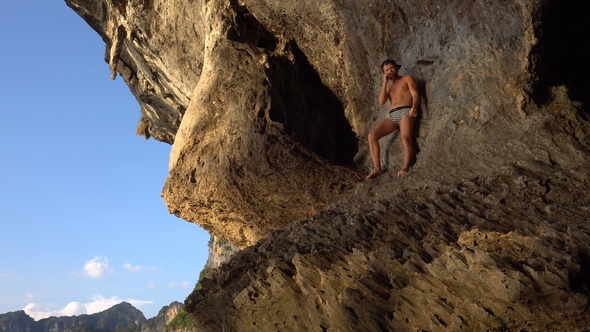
x: 390, y: 70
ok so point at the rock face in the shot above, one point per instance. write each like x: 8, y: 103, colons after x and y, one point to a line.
x: 263, y: 142
x: 494, y: 253
x: 162, y: 319
x: 268, y: 104
x: 220, y: 251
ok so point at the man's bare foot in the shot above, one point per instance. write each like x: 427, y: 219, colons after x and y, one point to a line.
x: 373, y: 174
x: 403, y: 171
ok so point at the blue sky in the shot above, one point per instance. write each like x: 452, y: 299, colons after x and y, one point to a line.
x: 82, y: 223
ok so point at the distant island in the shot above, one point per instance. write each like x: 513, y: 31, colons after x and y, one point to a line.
x: 122, y: 317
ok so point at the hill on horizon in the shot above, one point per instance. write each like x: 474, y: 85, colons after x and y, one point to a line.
x: 122, y: 317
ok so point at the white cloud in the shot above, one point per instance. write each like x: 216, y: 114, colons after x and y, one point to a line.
x: 37, y: 312
x: 72, y: 309
x: 33, y: 310
x: 97, y: 266
x: 4, y: 275
x: 99, y: 303
x: 139, y: 303
x: 30, y: 296
x: 152, y: 285
x: 132, y: 268
x: 174, y: 284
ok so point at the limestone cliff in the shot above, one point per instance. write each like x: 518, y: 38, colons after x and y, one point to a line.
x: 220, y: 251
x: 161, y: 323
x: 268, y: 103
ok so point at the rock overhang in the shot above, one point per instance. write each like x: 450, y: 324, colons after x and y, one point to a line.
x: 284, y: 95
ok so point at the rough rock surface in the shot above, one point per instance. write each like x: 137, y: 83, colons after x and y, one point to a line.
x: 498, y: 253
x: 268, y: 104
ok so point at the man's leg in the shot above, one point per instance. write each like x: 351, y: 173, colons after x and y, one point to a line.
x: 383, y: 128
x: 406, y: 124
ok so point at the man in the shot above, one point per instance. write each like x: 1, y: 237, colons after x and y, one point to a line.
x: 404, y: 99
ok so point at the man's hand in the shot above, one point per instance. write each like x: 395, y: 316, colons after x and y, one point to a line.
x: 413, y: 112
x: 385, y: 77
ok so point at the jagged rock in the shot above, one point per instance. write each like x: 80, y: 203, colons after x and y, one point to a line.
x: 257, y: 115
x: 220, y: 251
x: 489, y: 231
x: 142, y: 40
x: 500, y: 253
x: 163, y: 318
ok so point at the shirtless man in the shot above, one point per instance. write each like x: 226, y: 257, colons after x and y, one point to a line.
x: 404, y: 99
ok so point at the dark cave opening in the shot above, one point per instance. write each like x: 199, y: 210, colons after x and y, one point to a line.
x: 563, y: 52
x: 310, y: 112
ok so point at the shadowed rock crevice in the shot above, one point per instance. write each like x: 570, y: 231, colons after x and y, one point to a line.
x: 309, y: 111
x: 581, y: 280
x: 563, y: 52
x: 248, y: 30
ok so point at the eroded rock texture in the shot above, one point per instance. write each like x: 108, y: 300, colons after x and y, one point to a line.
x: 489, y: 254
x: 268, y: 104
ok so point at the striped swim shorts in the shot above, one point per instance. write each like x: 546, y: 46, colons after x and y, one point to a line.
x: 396, y: 114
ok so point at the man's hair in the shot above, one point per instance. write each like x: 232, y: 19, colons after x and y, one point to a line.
x: 390, y: 62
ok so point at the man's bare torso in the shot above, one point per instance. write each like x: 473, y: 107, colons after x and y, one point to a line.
x: 399, y: 92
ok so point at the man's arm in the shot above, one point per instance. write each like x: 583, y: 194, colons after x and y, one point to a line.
x: 413, y: 87
x: 384, y: 94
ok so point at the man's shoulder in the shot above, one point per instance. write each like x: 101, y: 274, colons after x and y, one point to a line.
x: 409, y: 79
